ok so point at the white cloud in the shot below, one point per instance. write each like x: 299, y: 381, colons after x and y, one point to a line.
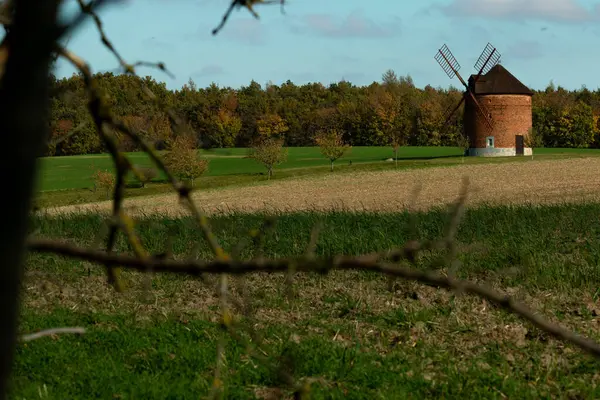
x: 246, y: 30
x: 525, y: 49
x: 354, y: 25
x: 552, y: 10
x: 210, y: 70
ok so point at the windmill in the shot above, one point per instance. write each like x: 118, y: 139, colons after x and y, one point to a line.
x: 487, y: 60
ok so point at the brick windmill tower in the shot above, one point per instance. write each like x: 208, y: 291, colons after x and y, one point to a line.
x: 497, y: 117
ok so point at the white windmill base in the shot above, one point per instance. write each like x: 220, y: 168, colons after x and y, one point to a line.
x: 498, y: 152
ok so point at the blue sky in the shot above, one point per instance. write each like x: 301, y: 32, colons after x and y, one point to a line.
x: 356, y: 40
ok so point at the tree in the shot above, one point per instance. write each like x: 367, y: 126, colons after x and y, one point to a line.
x: 183, y: 161
x: 269, y: 152
x: 565, y: 124
x: 24, y: 122
x: 393, y: 120
x: 332, y: 145
x: 389, y: 77
x: 397, y: 137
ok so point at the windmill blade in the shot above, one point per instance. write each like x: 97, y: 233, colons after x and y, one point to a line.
x: 449, y: 64
x: 451, y: 113
x: 446, y: 59
x: 488, y: 59
x: 483, y: 111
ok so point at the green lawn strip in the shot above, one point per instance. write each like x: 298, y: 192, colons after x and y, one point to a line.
x: 74, y: 172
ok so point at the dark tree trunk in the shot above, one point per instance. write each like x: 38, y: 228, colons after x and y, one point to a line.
x: 24, y: 93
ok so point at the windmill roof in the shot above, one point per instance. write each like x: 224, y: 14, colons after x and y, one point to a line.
x: 498, y: 81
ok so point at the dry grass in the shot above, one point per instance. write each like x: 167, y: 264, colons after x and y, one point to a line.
x: 539, y: 182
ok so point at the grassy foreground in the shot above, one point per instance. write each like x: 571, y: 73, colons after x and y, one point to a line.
x: 354, y: 337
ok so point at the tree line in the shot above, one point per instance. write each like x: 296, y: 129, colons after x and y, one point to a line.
x: 392, y: 112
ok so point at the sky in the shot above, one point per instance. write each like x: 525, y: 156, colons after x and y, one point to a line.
x: 356, y: 40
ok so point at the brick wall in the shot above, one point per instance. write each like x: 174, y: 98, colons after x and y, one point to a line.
x: 511, y: 116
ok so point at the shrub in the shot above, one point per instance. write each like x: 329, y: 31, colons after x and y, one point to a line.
x: 269, y: 152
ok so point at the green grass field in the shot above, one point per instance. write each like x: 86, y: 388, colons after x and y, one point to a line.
x: 74, y: 172
x: 346, y: 331
x: 67, y: 180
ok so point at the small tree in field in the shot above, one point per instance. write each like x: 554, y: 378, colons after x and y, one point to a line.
x: 332, y: 145
x: 148, y: 173
x: 104, y: 180
x: 183, y: 161
x: 269, y: 152
x: 397, y: 138
x: 533, y: 140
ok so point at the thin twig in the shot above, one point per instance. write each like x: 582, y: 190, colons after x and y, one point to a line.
x: 50, y: 332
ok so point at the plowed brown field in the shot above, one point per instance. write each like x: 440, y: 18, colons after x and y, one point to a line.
x: 569, y: 180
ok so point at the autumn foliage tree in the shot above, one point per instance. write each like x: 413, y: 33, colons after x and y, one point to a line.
x: 227, y: 126
x: 271, y: 126
x: 386, y: 111
x: 386, y: 105
x: 268, y: 148
x: 269, y: 152
x: 183, y: 159
x: 331, y: 143
x: 222, y: 125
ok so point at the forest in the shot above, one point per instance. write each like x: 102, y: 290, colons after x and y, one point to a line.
x: 391, y: 112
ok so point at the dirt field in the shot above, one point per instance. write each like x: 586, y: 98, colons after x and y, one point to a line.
x: 570, y: 180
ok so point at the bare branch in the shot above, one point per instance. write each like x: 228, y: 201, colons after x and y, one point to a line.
x: 320, y: 266
x: 249, y: 4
